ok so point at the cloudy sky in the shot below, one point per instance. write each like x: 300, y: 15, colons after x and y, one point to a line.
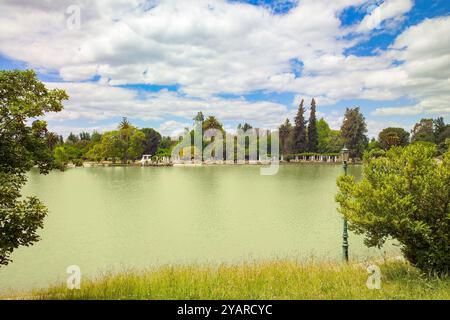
x: 158, y: 62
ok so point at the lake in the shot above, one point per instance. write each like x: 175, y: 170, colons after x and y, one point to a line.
x: 109, y: 219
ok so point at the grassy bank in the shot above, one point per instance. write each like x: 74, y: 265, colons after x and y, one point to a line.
x: 270, y: 280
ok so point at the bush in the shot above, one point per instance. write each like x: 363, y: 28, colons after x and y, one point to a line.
x: 77, y: 162
x: 404, y: 195
x: 163, y: 152
x: 374, y: 153
x: 61, y: 158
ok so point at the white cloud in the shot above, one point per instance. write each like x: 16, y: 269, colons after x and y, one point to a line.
x: 398, y: 111
x: 101, y: 101
x: 65, y: 130
x: 425, y: 73
x: 374, y: 127
x: 320, y: 100
x: 208, y: 47
x: 388, y: 10
x: 205, y: 46
x: 173, y: 128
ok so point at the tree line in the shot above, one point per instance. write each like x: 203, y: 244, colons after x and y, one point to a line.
x: 125, y: 144
x: 128, y: 143
x: 315, y: 136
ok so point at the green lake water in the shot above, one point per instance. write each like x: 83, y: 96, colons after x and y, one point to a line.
x: 110, y: 219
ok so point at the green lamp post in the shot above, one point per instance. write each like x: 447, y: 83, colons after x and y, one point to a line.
x: 345, y: 157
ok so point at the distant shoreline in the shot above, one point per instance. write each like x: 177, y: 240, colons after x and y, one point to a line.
x: 138, y: 164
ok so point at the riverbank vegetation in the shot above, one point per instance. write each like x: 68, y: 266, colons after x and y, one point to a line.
x: 404, y: 195
x: 304, y: 138
x: 263, y: 280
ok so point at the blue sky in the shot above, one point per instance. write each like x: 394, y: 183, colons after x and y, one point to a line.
x: 159, y: 62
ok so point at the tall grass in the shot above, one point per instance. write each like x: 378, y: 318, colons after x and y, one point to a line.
x: 269, y: 280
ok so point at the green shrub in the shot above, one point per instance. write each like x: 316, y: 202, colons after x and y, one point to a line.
x: 374, y: 153
x: 77, y: 162
x: 404, y: 195
x: 163, y: 152
x: 61, y: 158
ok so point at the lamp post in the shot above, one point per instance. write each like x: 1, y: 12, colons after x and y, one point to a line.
x: 345, y: 157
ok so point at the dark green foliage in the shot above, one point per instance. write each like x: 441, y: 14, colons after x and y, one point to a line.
x: 285, y: 131
x: 404, y: 195
x: 441, y: 134
x: 77, y: 162
x: 373, y: 144
x: 96, y: 137
x: 72, y: 139
x: 434, y: 131
x: 124, y: 144
x: 166, y: 143
x: 52, y: 140
x: 299, y: 137
x: 23, y: 97
x: 312, y: 129
x: 423, y: 131
x: 439, y: 126
x: 354, y: 131
x: 329, y: 141
x: 373, y: 153
x: 19, y: 219
x: 85, y: 136
x: 391, y: 137
x: 151, y: 141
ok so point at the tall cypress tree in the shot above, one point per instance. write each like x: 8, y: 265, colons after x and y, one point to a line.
x: 299, y: 133
x: 312, y: 129
x: 353, y: 132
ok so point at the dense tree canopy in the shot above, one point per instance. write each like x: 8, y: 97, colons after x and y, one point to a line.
x: 391, y: 137
x: 22, y: 98
x: 432, y: 131
x: 124, y: 144
x: 151, y: 141
x: 329, y: 141
x: 312, y: 136
x: 423, y: 131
